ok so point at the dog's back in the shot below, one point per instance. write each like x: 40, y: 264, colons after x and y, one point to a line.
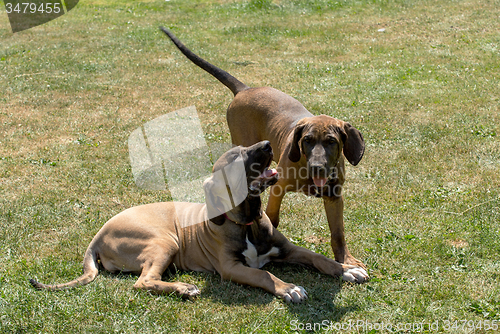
x: 163, y: 233
x: 173, y: 230
x: 255, y: 107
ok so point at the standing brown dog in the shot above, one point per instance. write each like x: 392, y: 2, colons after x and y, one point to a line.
x: 310, y: 149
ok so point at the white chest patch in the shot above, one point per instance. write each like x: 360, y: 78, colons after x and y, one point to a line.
x: 258, y: 261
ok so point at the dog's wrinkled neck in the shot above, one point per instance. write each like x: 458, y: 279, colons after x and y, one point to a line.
x: 247, y: 212
x: 252, y: 208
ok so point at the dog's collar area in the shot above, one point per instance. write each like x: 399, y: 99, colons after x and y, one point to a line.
x: 227, y: 217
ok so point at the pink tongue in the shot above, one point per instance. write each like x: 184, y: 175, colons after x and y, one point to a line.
x: 319, y: 181
x: 269, y: 172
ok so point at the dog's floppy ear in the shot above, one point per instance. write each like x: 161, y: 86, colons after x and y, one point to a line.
x: 216, y: 199
x: 219, y: 220
x: 354, y: 145
x: 226, y: 189
x: 294, y: 154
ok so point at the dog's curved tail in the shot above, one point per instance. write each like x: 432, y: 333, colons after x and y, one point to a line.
x: 225, y: 78
x: 90, y: 271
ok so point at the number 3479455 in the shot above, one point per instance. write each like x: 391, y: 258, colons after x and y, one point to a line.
x: 32, y: 8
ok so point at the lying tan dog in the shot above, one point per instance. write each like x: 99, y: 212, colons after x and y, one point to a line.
x: 147, y: 239
x: 308, y: 148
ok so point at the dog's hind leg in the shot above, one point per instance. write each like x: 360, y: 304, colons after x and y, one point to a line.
x: 150, y: 280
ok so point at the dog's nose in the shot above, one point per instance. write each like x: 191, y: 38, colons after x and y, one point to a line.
x: 267, y: 146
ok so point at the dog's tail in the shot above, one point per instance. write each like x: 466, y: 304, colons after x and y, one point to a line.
x: 90, y: 271
x: 225, y: 78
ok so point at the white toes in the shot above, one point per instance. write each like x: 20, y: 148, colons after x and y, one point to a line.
x: 297, y: 295
x: 355, y: 275
x: 194, y: 292
x: 191, y: 291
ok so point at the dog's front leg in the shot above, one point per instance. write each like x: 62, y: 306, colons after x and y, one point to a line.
x: 300, y: 255
x: 334, y: 208
x: 239, y: 273
x: 276, y: 194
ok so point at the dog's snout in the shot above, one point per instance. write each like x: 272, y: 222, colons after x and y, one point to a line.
x: 318, y: 169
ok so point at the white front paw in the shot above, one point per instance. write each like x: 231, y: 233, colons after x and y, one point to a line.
x: 296, y: 294
x: 355, y: 275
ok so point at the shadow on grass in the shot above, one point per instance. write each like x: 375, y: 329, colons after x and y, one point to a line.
x: 322, y: 305
x: 322, y: 291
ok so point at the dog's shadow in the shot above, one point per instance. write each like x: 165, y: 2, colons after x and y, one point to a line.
x: 322, y: 291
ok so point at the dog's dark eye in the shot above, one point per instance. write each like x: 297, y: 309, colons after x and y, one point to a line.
x: 332, y: 141
x: 307, y: 139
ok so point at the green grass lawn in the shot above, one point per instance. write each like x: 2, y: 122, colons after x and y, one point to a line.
x: 419, y: 79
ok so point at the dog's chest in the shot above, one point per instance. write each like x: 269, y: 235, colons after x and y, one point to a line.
x: 252, y: 257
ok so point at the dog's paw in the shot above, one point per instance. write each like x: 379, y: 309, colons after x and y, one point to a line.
x: 355, y: 275
x: 354, y: 262
x: 295, y: 294
x: 189, y: 291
